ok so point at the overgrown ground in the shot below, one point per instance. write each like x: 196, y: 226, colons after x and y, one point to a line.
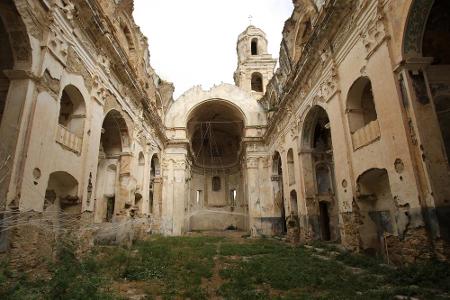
x: 202, y: 267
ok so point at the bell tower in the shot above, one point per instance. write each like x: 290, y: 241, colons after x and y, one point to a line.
x: 255, y: 66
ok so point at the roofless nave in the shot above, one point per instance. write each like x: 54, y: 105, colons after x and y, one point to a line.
x: 348, y: 140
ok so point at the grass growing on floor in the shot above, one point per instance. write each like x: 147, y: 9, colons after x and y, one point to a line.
x: 206, y: 267
x: 70, y: 279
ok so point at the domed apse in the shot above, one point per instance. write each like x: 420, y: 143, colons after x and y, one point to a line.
x: 215, y: 132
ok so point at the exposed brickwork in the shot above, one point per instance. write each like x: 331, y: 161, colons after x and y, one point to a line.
x: 349, y: 232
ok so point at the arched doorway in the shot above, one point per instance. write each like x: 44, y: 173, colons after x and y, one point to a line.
x: 277, y: 186
x: 113, y: 178
x: 317, y: 162
x: 216, y: 202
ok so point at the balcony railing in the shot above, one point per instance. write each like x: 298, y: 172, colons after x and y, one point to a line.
x: 68, y: 139
x: 366, y: 135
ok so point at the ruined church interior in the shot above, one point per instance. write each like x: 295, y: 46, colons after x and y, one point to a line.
x: 340, y: 139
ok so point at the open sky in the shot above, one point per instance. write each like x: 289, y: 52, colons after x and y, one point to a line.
x: 194, y: 41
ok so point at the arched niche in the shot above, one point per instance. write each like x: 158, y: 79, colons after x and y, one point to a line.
x: 62, y: 197
x: 290, y: 166
x: 140, y: 169
x: 115, y: 136
x: 294, y: 204
x: 360, y: 104
x: 155, y: 197
x: 277, y: 188
x: 72, y: 111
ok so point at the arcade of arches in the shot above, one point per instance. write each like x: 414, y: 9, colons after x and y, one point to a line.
x: 345, y: 138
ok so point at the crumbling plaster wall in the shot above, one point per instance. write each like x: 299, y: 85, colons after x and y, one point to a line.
x: 364, y: 50
x: 62, y: 53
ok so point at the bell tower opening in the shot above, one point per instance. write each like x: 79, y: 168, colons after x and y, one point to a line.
x: 215, y: 131
x: 254, y: 46
x: 255, y: 66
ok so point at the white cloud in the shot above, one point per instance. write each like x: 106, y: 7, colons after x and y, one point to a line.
x: 194, y: 42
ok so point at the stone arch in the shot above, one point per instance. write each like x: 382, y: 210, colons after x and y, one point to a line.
x: 177, y: 115
x: 435, y: 41
x: 290, y: 166
x: 426, y: 30
x: 293, y: 203
x: 278, y: 194
x: 155, y: 169
x: 304, y: 14
x: 15, y: 49
x: 114, y: 190
x: 254, y: 46
x: 215, y: 130
x: 72, y: 111
x: 426, y: 86
x: 16, y: 31
x: 227, y: 103
x: 317, y: 153
x: 415, y: 28
x: 257, y: 83
x: 310, y: 138
x: 360, y: 104
x: 140, y: 169
x: 117, y: 120
x: 155, y: 196
x: 15, y: 54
